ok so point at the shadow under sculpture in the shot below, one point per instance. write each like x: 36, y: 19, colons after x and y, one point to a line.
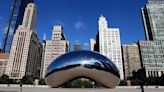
x: 87, y: 64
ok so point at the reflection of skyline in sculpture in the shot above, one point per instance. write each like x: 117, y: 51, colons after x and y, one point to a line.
x: 78, y: 46
x: 87, y: 64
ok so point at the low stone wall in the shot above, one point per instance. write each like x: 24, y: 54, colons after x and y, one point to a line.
x: 40, y: 88
x: 46, y: 86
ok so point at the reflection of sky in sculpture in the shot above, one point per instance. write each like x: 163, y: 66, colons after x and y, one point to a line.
x: 82, y: 58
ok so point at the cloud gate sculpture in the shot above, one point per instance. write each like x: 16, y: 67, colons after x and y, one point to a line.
x: 87, y: 64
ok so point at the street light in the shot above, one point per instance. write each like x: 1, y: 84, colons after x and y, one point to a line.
x: 140, y: 74
x: 8, y: 83
x: 20, y: 87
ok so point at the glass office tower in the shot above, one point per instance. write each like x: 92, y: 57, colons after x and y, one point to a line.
x: 152, y: 50
x: 153, y: 19
x: 15, y: 19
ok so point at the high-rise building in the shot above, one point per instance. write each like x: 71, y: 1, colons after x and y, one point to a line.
x: 55, y: 47
x: 151, y: 51
x: 78, y: 47
x: 108, y: 44
x: 15, y: 19
x: 24, y: 56
x: 131, y: 59
x: 92, y: 44
x: 4, y: 59
x: 48, y: 58
x: 1, y: 50
x: 153, y: 16
x: 43, y: 55
x: 152, y: 57
x: 38, y: 63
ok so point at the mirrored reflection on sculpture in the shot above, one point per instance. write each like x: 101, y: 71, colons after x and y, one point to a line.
x: 86, y: 64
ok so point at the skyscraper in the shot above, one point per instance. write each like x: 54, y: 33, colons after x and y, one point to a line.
x: 151, y: 51
x: 55, y: 47
x: 15, y: 19
x: 108, y: 43
x: 92, y: 44
x: 24, y: 56
x: 131, y: 59
x: 4, y: 59
x: 77, y: 47
x: 153, y: 20
x: 152, y: 57
x: 38, y: 62
x: 43, y: 55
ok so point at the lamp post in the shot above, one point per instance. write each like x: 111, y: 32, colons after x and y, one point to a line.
x: 20, y: 87
x: 141, y: 75
x: 8, y: 83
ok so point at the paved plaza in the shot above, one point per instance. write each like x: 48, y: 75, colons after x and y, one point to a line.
x: 47, y: 89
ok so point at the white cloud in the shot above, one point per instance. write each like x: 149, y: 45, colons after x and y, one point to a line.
x: 10, y: 32
x: 79, y: 24
x: 86, y: 44
x: 4, y: 29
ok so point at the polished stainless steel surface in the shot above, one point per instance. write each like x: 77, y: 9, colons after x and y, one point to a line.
x: 82, y: 64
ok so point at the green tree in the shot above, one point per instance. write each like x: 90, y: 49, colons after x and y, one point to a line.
x: 136, y: 82
x: 87, y: 84
x: 152, y: 81
x: 27, y: 80
x: 123, y: 83
x: 42, y: 81
x: 78, y: 83
x: 4, y: 79
x: 12, y: 81
x: 161, y: 82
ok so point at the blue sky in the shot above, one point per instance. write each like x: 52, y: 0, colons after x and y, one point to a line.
x: 79, y: 18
